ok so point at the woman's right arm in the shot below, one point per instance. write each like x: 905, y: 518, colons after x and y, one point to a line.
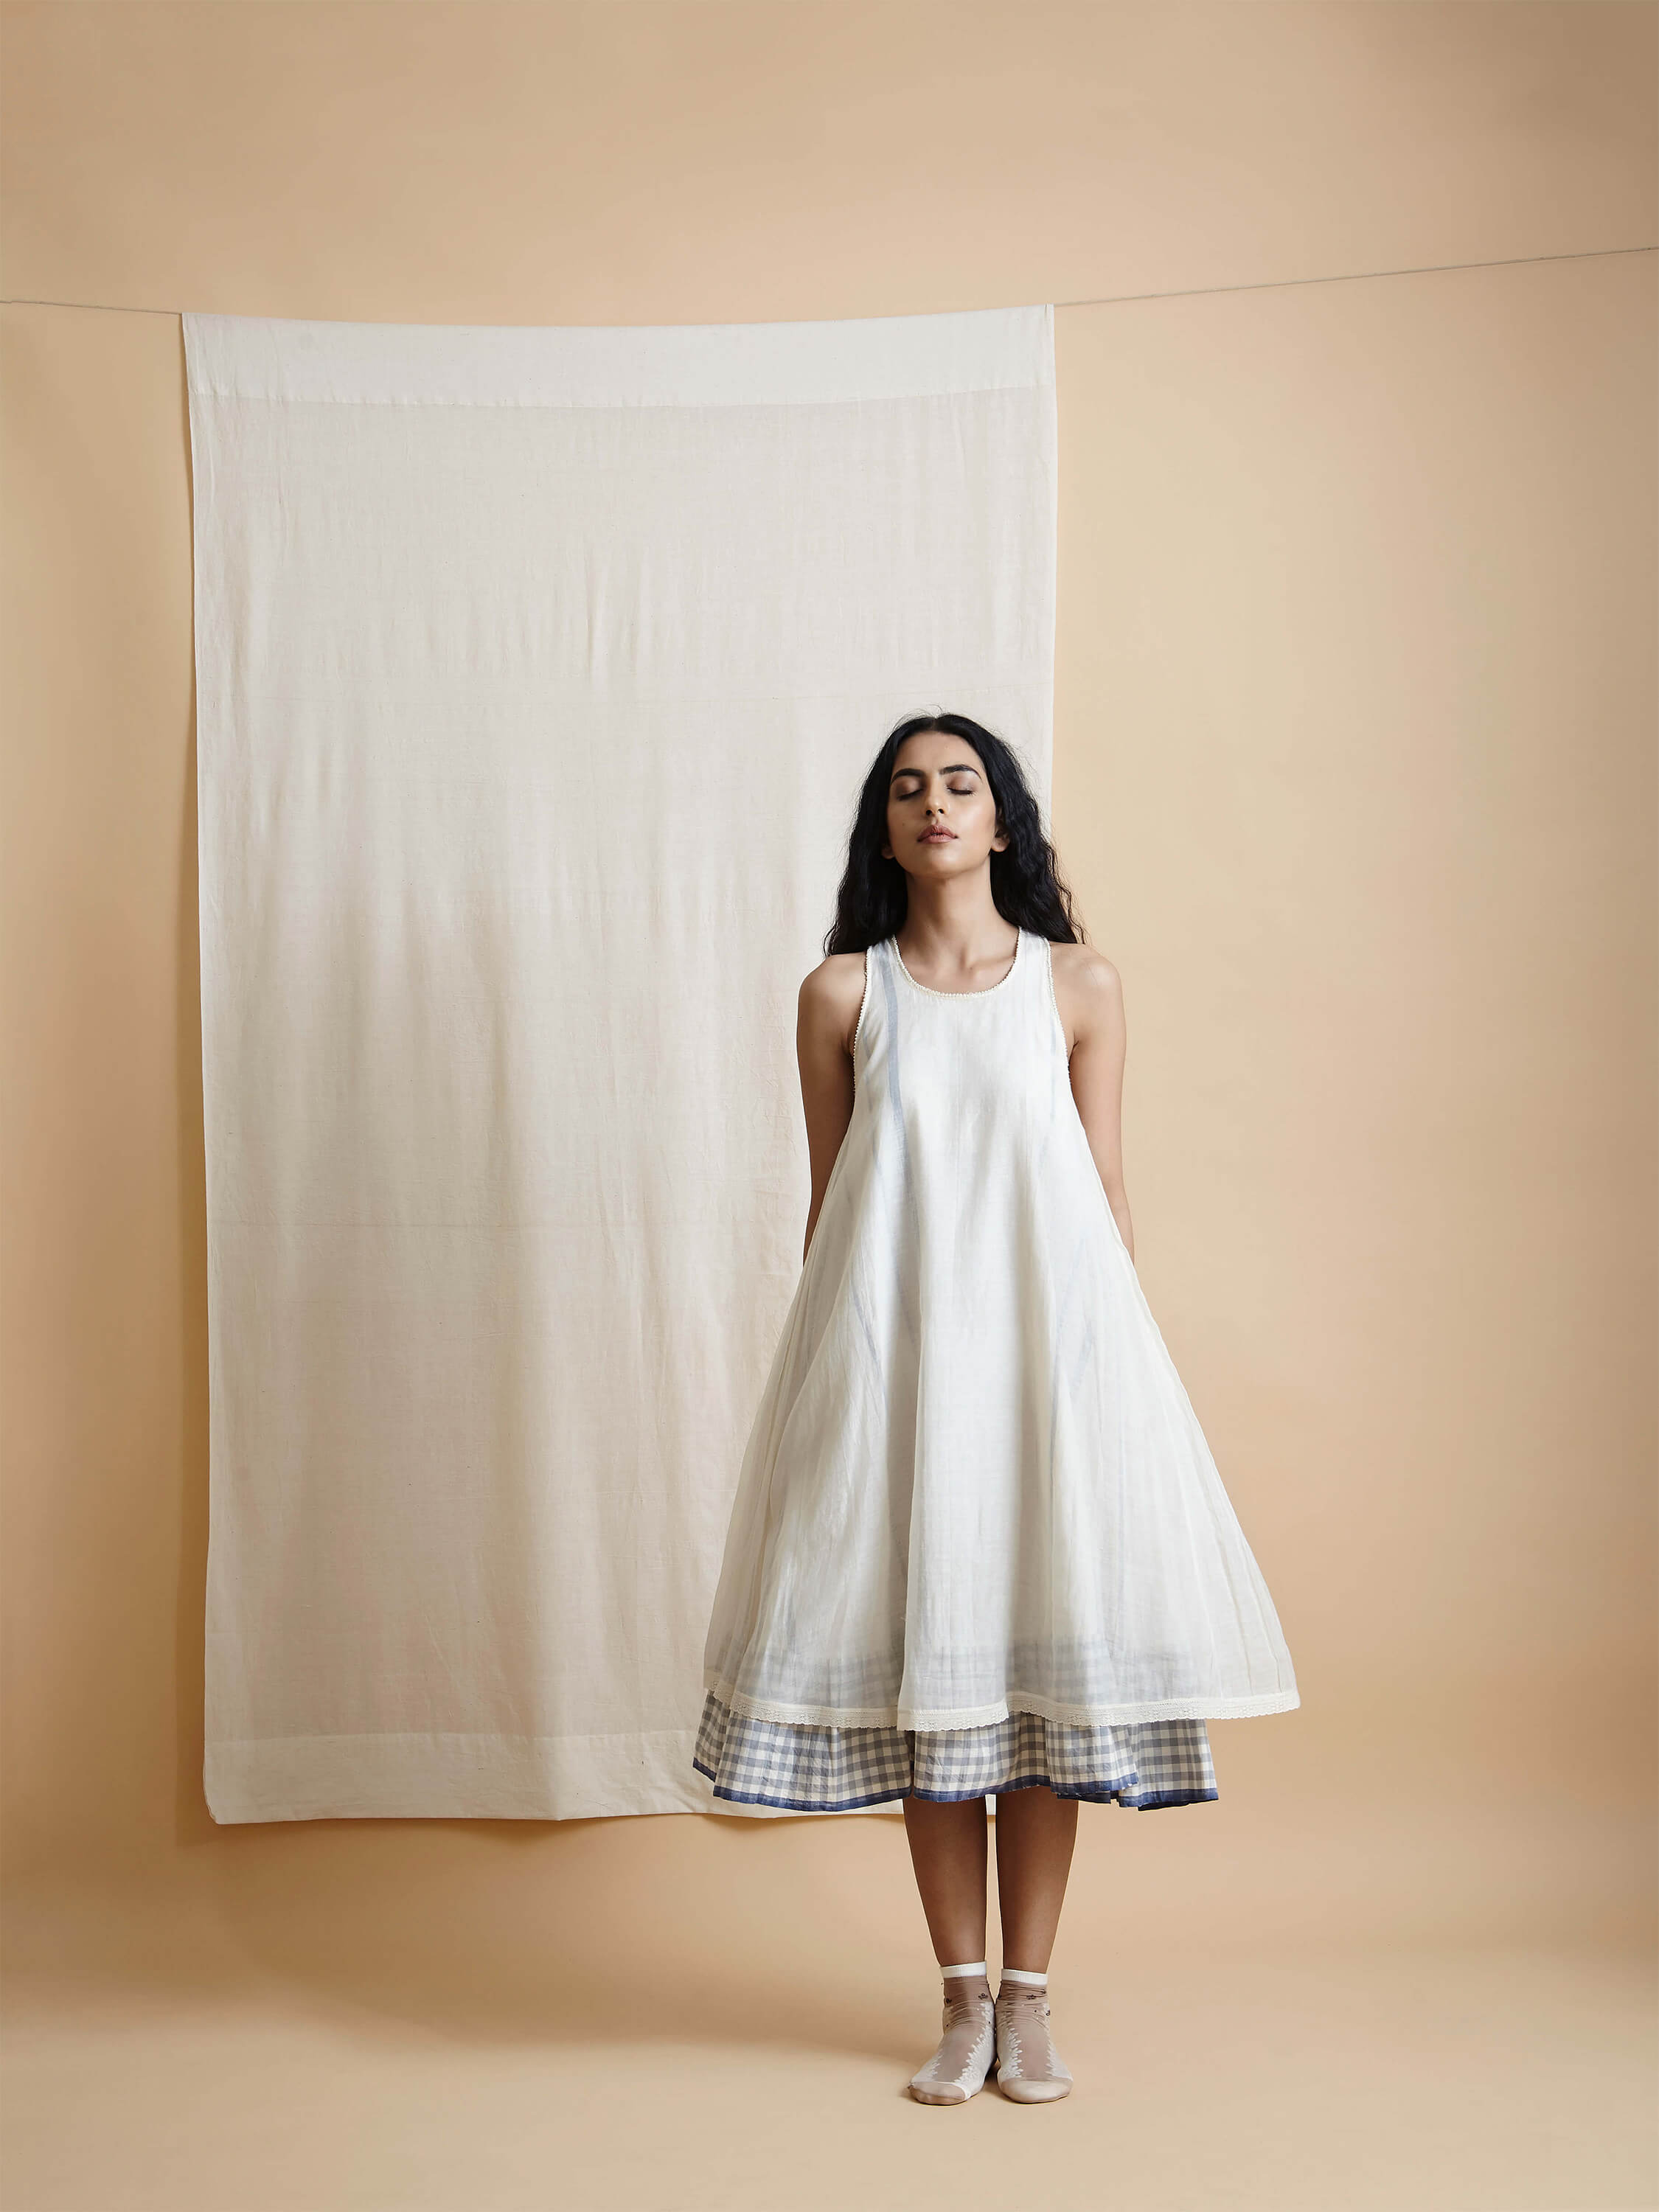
x: 826, y: 1016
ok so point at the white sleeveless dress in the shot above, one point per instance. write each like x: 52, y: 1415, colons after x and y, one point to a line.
x: 978, y: 1540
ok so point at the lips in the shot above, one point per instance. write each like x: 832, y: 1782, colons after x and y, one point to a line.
x: 939, y: 837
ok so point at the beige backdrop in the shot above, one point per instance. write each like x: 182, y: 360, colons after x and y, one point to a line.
x: 1354, y: 778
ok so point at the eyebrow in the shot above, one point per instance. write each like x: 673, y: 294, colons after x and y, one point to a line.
x: 955, y: 768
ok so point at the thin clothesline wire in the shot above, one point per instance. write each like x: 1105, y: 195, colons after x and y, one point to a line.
x: 1102, y: 299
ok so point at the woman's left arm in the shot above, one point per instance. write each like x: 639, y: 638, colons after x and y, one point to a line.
x: 1093, y: 1006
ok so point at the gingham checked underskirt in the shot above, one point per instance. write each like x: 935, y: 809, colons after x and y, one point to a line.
x: 811, y: 1768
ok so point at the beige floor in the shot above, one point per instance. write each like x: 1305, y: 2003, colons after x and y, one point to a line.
x: 1490, y: 2079
x: 1437, y: 2012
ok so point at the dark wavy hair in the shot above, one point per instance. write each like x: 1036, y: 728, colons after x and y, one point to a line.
x: 1025, y: 880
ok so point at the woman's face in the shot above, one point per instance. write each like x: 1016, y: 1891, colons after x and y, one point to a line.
x: 941, y: 817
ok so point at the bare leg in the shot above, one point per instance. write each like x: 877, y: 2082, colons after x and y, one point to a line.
x: 949, y: 1853
x: 1036, y: 1832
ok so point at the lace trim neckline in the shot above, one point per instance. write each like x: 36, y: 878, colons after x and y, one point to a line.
x: 927, y: 989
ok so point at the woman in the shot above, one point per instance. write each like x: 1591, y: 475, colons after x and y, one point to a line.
x: 979, y: 1544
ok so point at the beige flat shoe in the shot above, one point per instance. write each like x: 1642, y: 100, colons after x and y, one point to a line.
x: 966, y: 2049
x: 1030, y: 2070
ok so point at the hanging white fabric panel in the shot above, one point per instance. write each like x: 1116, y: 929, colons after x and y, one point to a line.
x: 537, y: 673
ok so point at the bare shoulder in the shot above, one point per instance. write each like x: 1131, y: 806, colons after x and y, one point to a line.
x: 831, y: 997
x: 1089, y: 991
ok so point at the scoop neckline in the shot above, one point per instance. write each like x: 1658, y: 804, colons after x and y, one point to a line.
x: 927, y: 990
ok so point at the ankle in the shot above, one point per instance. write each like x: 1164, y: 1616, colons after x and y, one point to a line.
x: 967, y: 1979
x: 1024, y: 1978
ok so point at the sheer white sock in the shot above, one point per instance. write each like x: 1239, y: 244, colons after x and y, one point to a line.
x: 967, y: 2045
x: 1024, y: 1974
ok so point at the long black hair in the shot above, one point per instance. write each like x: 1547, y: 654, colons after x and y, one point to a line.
x: 1025, y: 880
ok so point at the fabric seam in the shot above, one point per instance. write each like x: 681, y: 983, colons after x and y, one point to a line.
x: 864, y: 1001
